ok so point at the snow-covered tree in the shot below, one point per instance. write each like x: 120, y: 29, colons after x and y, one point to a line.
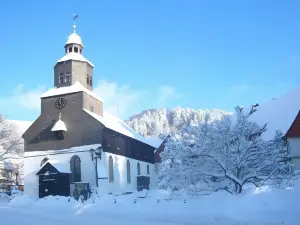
x: 224, y: 154
x: 10, y: 148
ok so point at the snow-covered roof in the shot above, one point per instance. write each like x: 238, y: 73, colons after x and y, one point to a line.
x: 76, y: 87
x: 279, y: 113
x: 74, y: 39
x: 75, y: 56
x: 61, y: 167
x: 119, y: 126
x: 59, y: 126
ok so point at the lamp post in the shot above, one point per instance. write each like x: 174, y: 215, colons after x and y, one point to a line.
x: 96, y: 154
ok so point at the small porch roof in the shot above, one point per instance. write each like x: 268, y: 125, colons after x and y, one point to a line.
x: 53, y: 166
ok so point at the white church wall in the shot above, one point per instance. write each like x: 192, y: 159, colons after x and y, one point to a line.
x: 32, y: 161
x: 32, y: 164
x: 120, y: 185
x: 294, y: 146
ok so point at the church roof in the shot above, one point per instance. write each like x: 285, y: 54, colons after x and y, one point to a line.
x: 294, y: 130
x: 74, y: 56
x: 116, y: 124
x: 74, y: 39
x: 76, y: 87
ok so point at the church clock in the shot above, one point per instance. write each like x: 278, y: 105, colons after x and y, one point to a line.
x: 60, y: 103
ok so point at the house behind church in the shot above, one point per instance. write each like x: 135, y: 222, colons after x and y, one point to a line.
x: 75, y: 141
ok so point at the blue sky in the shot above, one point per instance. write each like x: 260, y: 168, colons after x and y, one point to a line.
x: 149, y: 54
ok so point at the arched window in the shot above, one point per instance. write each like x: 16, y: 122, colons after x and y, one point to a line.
x: 111, y: 169
x: 148, y: 170
x: 128, y: 172
x: 138, y: 169
x: 75, y: 167
x: 44, y: 161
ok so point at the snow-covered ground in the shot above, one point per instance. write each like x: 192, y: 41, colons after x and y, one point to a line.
x: 264, y: 206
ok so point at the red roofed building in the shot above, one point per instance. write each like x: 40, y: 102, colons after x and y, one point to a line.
x: 293, y: 138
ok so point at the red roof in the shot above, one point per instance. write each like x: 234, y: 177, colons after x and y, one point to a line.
x: 294, y: 130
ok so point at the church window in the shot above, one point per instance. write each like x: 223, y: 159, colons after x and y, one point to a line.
x: 138, y: 169
x: 67, y: 78
x: 61, y: 78
x: 80, y: 51
x: 75, y: 167
x: 128, y: 172
x: 44, y: 161
x: 92, y: 108
x: 148, y: 169
x: 76, y: 49
x: 110, y: 169
x: 70, y: 49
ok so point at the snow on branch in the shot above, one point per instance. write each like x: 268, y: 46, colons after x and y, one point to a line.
x: 10, y: 143
x: 224, y: 154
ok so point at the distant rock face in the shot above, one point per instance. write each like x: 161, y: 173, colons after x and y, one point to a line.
x: 153, y: 122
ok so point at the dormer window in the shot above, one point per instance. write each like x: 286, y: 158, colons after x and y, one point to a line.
x: 76, y: 49
x: 70, y: 49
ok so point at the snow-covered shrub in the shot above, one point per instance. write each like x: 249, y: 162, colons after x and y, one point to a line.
x: 224, y: 154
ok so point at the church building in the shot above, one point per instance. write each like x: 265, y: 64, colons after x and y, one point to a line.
x: 76, y: 143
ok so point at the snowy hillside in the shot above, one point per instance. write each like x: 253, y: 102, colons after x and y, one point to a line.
x: 155, y: 121
x: 19, y: 127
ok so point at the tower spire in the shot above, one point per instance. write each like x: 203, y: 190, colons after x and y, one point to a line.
x: 75, y: 16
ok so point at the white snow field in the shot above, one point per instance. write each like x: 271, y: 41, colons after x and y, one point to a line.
x: 264, y: 206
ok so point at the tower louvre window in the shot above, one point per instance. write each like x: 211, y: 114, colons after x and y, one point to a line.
x: 91, y: 81
x: 76, y: 49
x: 70, y: 49
x: 61, y: 78
x: 88, y: 79
x: 80, y: 51
x: 67, y: 79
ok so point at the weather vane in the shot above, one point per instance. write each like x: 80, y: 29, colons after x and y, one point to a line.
x: 75, y: 17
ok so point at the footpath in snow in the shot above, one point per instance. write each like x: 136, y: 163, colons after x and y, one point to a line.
x: 264, y: 206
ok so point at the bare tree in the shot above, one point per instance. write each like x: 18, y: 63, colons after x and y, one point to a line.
x: 10, y: 143
x: 10, y: 152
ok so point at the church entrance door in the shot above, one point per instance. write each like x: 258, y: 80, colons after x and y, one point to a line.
x: 54, y: 184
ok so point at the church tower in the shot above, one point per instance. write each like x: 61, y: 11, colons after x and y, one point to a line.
x: 73, y: 66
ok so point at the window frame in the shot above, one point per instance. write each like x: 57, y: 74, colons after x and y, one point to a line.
x: 75, y: 168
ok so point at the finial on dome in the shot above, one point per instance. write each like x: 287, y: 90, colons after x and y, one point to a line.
x: 75, y: 16
x: 74, y: 28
